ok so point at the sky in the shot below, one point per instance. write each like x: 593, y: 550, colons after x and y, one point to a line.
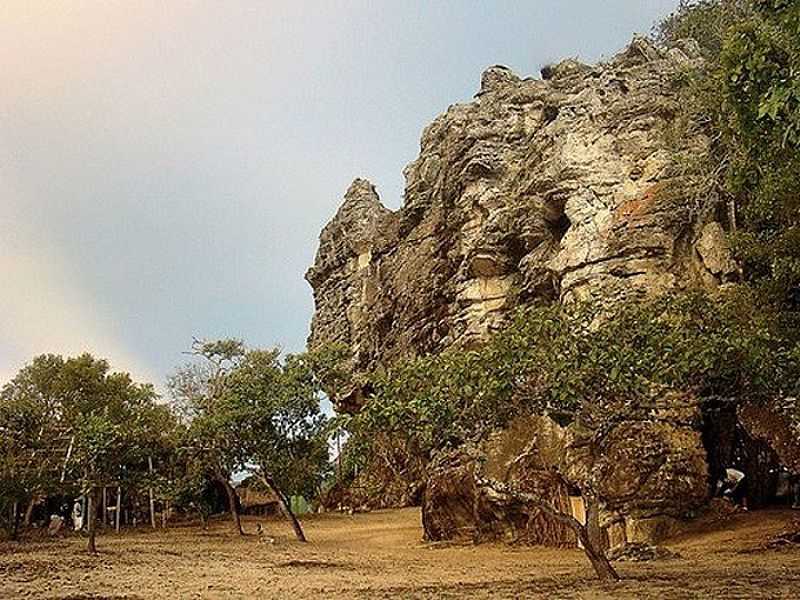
x: 166, y: 167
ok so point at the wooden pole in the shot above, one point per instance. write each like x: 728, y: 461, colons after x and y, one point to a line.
x: 152, y: 499
x: 90, y: 526
x: 15, y: 521
x: 29, y: 511
x: 118, y: 514
x: 104, y: 519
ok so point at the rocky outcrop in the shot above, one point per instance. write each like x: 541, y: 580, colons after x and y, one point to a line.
x: 559, y: 189
x: 649, y: 472
x: 456, y: 506
x: 556, y: 188
x: 773, y: 424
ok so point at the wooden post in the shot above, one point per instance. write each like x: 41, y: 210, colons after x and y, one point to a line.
x: 29, y: 511
x: 118, y: 514
x: 90, y: 526
x: 104, y: 519
x: 152, y: 499
x: 15, y: 521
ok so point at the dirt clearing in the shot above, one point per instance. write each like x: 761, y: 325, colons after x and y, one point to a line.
x: 381, y: 555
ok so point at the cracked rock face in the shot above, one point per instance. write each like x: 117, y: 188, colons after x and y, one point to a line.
x: 557, y: 188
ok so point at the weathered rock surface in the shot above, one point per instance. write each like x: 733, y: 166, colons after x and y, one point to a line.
x: 772, y: 425
x: 650, y: 473
x: 456, y: 506
x: 558, y: 188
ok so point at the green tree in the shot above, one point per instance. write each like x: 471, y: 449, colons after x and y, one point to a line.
x: 745, y: 98
x: 32, y: 432
x: 109, y: 422
x: 274, y: 406
x: 72, y: 423
x: 199, y: 391
x: 588, y: 370
x: 248, y: 410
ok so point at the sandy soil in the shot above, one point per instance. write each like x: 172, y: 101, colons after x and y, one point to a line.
x: 380, y: 555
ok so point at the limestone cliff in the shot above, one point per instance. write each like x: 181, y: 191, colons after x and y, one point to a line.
x: 556, y: 188
x: 559, y: 188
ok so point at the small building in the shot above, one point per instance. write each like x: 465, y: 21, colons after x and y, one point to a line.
x: 256, y: 501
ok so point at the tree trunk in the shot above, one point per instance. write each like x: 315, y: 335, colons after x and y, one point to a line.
x: 90, y: 523
x: 15, y: 522
x: 594, y: 543
x: 232, y: 503
x: 104, y: 509
x: 118, y: 513
x: 593, y: 529
x: 29, y: 511
x: 286, y: 508
x: 597, y: 557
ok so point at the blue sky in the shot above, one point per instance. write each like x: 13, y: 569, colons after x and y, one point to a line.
x: 166, y: 167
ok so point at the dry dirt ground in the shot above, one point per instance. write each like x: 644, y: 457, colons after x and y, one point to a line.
x: 381, y: 555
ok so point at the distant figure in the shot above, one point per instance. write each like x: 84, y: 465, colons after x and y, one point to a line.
x: 56, y: 522
x: 262, y: 534
x: 732, y: 486
x: 77, y: 515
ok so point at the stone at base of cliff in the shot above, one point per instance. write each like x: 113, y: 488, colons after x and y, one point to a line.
x: 651, y: 476
x: 652, y: 530
x: 457, y: 507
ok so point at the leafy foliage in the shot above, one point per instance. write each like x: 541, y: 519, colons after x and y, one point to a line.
x: 70, y: 425
x: 250, y: 410
x: 746, y: 98
x: 576, y: 363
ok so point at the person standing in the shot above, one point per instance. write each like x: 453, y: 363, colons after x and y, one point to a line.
x: 77, y: 515
x: 732, y: 485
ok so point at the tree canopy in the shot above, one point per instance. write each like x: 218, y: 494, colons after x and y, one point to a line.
x: 745, y: 97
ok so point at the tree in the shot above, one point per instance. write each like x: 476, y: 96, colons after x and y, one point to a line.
x: 72, y: 422
x: 33, y: 440
x: 109, y: 417
x: 198, y: 391
x: 589, y: 370
x: 275, y: 407
x: 21, y: 476
x: 250, y: 411
x: 745, y: 98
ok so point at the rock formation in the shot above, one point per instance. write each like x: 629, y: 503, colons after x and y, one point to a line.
x: 559, y: 188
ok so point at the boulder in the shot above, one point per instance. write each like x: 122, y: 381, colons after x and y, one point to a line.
x: 458, y: 506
